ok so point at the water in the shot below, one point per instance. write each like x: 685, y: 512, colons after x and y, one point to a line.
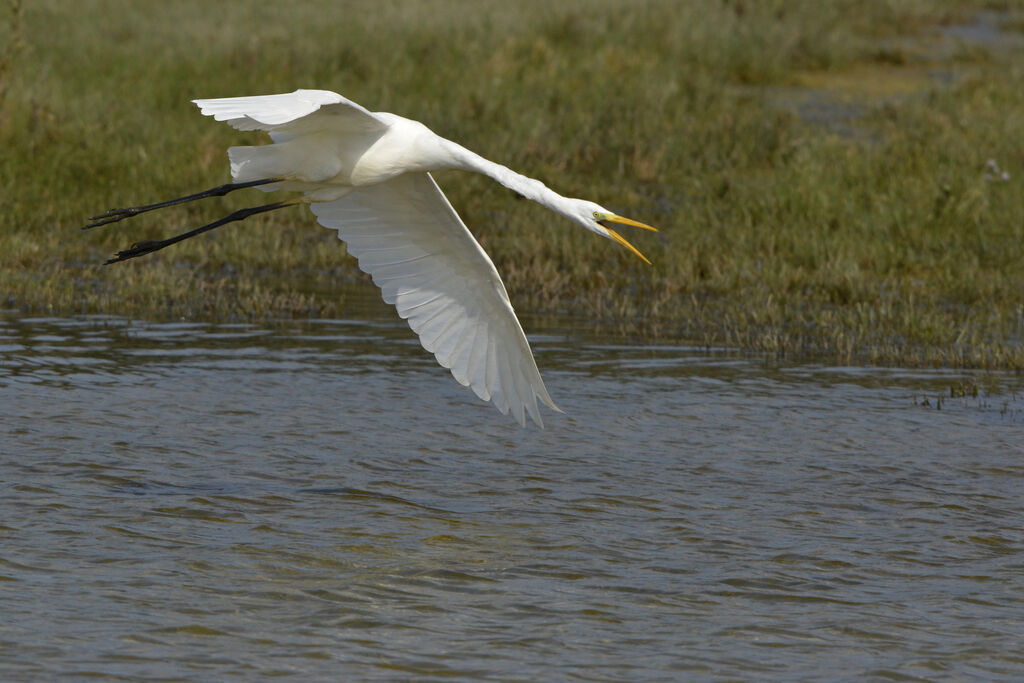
x: 320, y: 502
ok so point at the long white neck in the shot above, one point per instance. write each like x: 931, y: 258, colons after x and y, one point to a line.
x: 528, y: 187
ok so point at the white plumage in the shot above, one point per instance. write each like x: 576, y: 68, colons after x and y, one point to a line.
x: 409, y: 239
x: 366, y: 175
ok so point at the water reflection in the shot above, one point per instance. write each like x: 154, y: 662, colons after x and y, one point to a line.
x: 320, y: 500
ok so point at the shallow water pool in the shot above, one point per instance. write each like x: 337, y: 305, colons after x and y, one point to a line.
x: 320, y: 501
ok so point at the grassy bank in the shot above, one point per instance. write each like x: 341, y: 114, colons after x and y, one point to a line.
x: 818, y: 170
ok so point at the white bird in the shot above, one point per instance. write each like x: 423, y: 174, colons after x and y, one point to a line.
x: 367, y: 175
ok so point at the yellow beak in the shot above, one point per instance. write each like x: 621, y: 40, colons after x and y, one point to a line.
x: 612, y: 218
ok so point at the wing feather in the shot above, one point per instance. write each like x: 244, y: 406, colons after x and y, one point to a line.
x: 494, y: 379
x: 477, y: 363
x: 410, y: 240
x: 286, y: 114
x: 513, y: 391
x: 459, y: 357
x: 411, y: 303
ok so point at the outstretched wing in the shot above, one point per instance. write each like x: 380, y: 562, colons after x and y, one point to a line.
x: 428, y: 265
x: 290, y: 113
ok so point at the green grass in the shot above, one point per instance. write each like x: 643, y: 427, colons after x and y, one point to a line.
x: 877, y: 240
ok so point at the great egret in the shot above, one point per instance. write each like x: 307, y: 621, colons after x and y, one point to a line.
x: 367, y: 175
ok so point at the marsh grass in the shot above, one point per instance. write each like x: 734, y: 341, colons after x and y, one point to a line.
x: 882, y: 242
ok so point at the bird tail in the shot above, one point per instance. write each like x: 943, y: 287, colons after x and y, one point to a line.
x: 253, y: 163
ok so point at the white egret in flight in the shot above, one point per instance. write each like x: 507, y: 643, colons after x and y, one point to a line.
x: 367, y: 175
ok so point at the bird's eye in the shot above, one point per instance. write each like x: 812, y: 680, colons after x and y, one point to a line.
x: 597, y: 214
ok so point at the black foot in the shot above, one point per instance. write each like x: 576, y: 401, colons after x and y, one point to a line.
x: 113, y: 216
x: 138, y: 249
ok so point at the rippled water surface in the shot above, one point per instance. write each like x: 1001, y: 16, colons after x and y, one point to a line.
x: 321, y: 502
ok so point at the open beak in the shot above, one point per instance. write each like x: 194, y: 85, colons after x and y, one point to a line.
x: 612, y: 218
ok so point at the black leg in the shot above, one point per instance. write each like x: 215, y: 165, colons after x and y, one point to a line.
x: 115, y: 215
x: 149, y: 246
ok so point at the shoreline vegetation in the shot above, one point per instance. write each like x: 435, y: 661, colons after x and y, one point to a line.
x: 841, y: 181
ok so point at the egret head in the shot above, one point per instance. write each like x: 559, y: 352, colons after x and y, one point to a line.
x: 596, y: 218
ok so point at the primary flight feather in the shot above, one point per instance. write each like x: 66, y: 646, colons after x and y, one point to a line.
x: 367, y: 175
